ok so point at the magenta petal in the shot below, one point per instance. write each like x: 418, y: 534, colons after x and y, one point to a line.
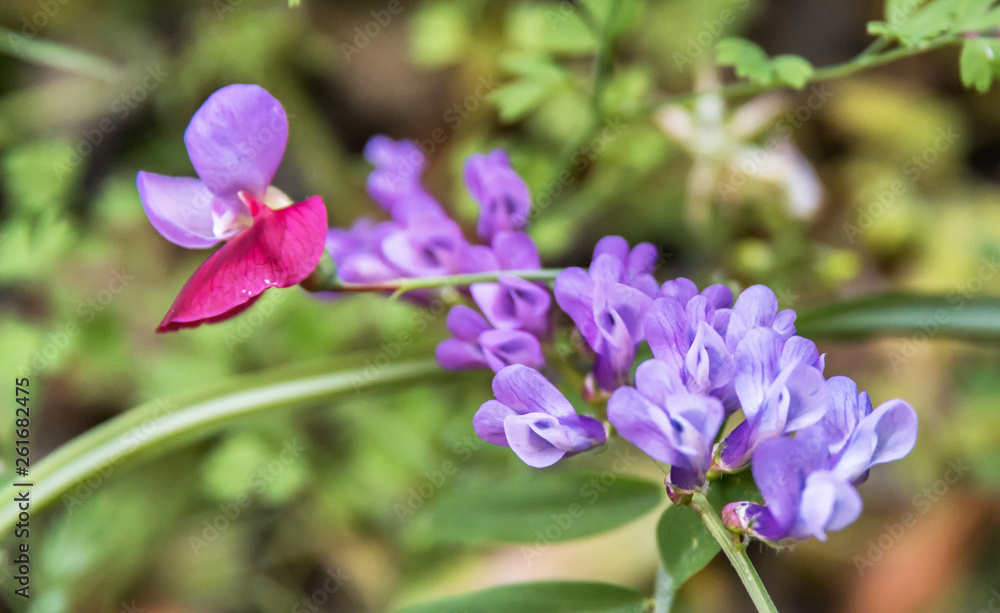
x: 281, y: 249
x: 180, y: 208
x: 237, y: 138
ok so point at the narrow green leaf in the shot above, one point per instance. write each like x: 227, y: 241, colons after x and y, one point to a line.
x: 685, y: 545
x: 539, y: 507
x: 156, y: 425
x: 953, y: 315
x: 548, y: 597
x: 58, y: 56
x: 747, y: 59
x: 792, y: 70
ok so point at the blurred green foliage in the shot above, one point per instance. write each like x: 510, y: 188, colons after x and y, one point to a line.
x: 908, y: 161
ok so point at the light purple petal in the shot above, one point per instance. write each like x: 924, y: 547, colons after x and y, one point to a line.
x: 236, y: 139
x: 465, y: 323
x: 641, y: 423
x: 502, y: 195
x: 516, y: 251
x: 503, y: 348
x: 681, y: 289
x: 756, y: 362
x: 665, y: 329
x: 802, y: 350
x: 455, y: 354
x: 708, y: 361
x: 180, y: 208
x: 779, y: 477
x: 574, y: 292
x: 526, y: 390
x: 615, y: 246
x: 488, y: 422
x: 477, y: 258
x: 719, y: 296
x: 808, y: 398
x: 514, y: 303
x: 657, y: 380
x: 756, y: 306
x: 888, y: 434
x: 528, y: 437
x: 828, y: 503
x: 425, y: 247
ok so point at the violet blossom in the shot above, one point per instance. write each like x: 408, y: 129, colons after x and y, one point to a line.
x: 503, y: 196
x: 534, y: 419
x: 476, y: 344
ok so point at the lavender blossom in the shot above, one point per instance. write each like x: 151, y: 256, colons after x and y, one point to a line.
x: 477, y: 345
x: 534, y: 419
x: 669, y: 423
x: 503, y: 197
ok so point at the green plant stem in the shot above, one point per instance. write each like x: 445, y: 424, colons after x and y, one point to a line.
x: 55, y: 55
x: 401, y: 286
x: 735, y: 552
x: 149, y: 427
x: 861, y: 62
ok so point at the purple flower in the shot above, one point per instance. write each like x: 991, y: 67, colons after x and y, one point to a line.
x: 395, y: 183
x: 670, y: 424
x: 508, y: 251
x: 808, y: 482
x: 534, y: 419
x: 514, y: 304
x: 757, y: 307
x: 780, y: 389
x: 477, y: 345
x: 608, y: 312
x: 503, y: 197
x: 685, y: 336
x: 235, y: 142
x: 804, y: 498
x: 634, y: 268
x: 358, y: 251
x: 425, y: 247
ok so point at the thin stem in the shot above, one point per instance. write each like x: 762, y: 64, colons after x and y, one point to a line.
x: 58, y: 56
x: 735, y: 552
x: 401, y: 286
x: 861, y: 62
x: 663, y: 596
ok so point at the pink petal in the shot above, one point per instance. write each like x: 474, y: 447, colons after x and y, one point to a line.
x: 281, y: 249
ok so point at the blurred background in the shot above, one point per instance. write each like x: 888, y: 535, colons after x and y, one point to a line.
x: 886, y: 180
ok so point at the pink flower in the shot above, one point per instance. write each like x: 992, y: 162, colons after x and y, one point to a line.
x: 235, y: 141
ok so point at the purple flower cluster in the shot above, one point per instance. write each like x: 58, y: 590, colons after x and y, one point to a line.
x: 809, y: 440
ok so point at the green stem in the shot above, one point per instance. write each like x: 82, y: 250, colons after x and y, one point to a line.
x: 104, y: 448
x: 55, y: 55
x: 735, y: 552
x: 861, y: 62
x: 401, y: 286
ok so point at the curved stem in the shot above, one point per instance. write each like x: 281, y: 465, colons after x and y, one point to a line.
x: 401, y: 286
x: 735, y: 552
x: 101, y: 450
x: 867, y: 59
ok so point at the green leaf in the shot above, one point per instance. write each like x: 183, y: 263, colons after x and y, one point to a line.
x: 978, y: 63
x: 539, y: 507
x: 159, y: 424
x: 792, y: 70
x: 517, y: 99
x: 685, y: 545
x: 954, y: 316
x: 548, y: 597
x: 747, y: 59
